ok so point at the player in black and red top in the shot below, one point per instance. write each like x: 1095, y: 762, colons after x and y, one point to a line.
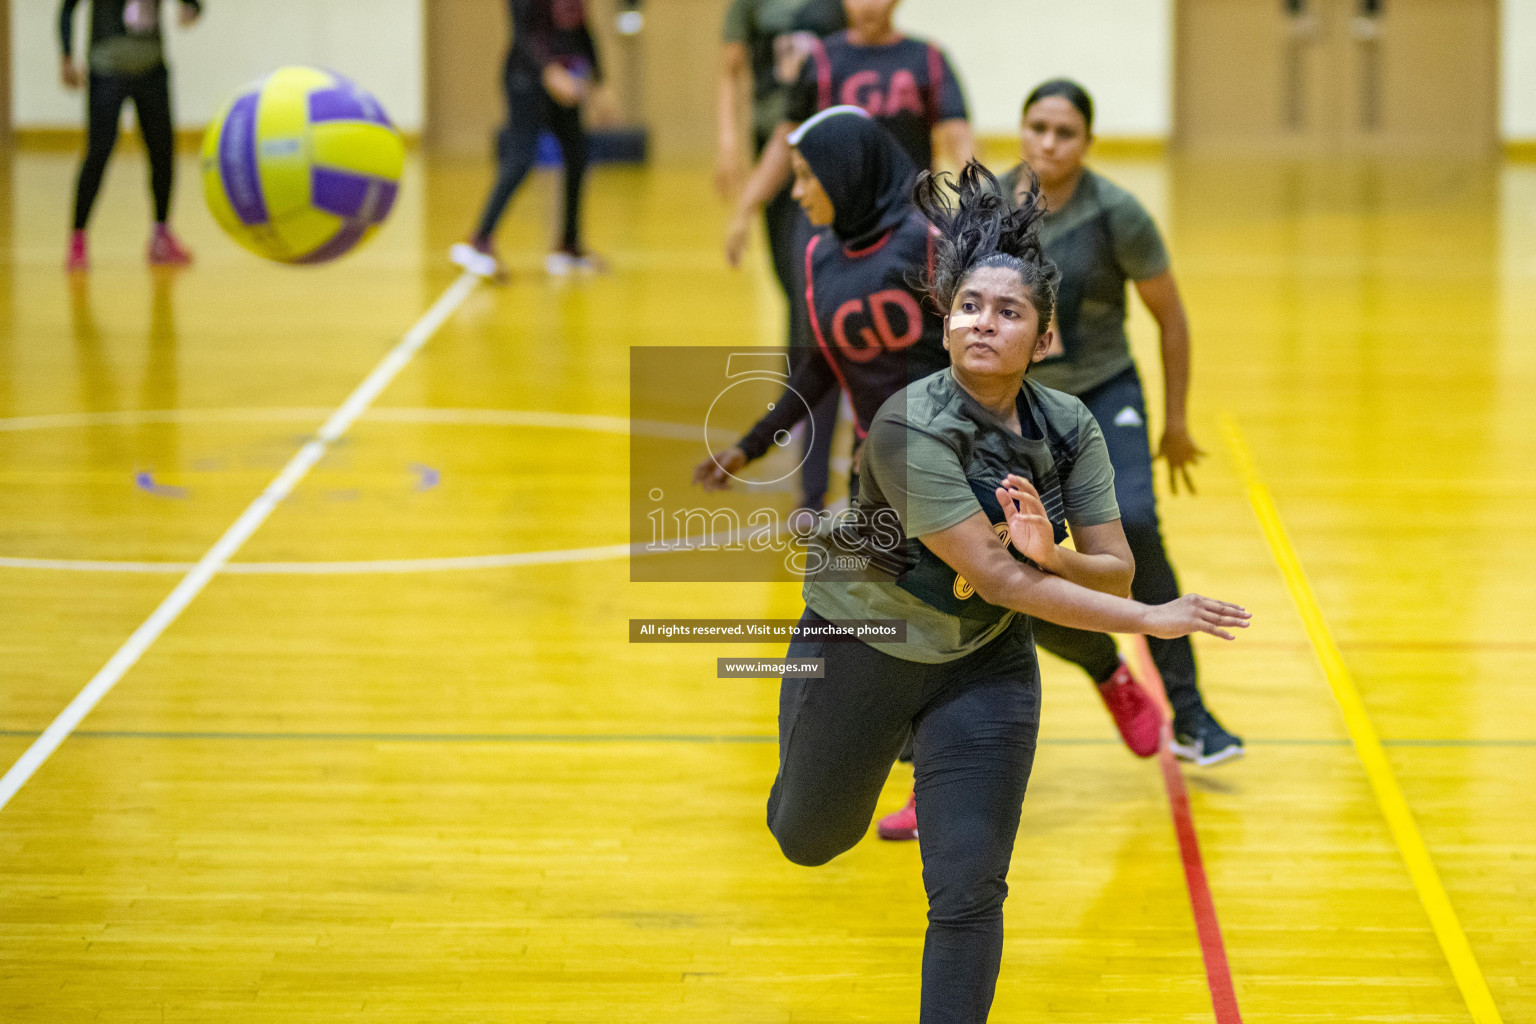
x: 874, y: 331
x: 906, y: 85
x: 551, y: 68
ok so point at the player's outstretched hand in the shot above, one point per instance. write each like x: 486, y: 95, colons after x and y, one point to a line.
x: 715, y: 472
x: 1195, y: 614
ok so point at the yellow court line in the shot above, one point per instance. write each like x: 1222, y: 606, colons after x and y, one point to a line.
x: 1389, y: 797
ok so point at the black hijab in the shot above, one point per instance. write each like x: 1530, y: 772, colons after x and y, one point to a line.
x: 862, y: 168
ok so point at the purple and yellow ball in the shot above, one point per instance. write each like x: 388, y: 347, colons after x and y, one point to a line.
x: 302, y: 166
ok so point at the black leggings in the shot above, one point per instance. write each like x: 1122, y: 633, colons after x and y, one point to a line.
x: 976, y: 721
x: 788, y: 234
x: 151, y: 95
x: 529, y: 111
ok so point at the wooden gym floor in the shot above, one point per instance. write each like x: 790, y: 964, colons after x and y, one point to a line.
x: 456, y: 793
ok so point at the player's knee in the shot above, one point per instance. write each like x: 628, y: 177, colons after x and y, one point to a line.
x: 810, y: 847
x: 968, y: 897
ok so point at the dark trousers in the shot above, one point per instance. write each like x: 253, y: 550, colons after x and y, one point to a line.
x: 530, y: 110
x: 1155, y: 582
x: 788, y: 234
x: 105, y: 96
x: 975, y: 721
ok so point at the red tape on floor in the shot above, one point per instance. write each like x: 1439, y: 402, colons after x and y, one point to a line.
x: 1218, y: 975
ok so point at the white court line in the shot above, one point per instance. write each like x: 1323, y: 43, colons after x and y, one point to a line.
x: 136, y: 417
x: 375, y: 565
x: 536, y: 418
x: 601, y: 553
x: 225, y: 547
x: 388, y: 414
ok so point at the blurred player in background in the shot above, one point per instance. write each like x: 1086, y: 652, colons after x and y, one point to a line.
x: 551, y: 68
x: 907, y: 85
x: 125, y: 60
x: 1101, y: 237
x: 764, y: 44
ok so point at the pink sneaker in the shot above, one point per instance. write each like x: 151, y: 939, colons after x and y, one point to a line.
x: 900, y: 824
x: 166, y: 250
x: 1139, y: 720
x: 78, y: 259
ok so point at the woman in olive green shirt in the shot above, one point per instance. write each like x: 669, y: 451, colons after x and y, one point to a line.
x: 1100, y: 238
x: 968, y: 481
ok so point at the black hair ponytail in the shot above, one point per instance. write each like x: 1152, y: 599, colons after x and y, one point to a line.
x: 981, y: 227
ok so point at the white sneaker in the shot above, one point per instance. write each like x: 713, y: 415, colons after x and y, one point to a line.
x: 479, y: 262
x: 562, y: 263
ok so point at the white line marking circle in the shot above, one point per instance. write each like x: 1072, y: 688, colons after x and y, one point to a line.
x: 470, y: 417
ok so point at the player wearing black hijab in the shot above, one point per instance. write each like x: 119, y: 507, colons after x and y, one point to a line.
x: 874, y: 331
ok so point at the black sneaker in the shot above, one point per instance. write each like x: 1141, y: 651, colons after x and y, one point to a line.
x: 1200, y: 739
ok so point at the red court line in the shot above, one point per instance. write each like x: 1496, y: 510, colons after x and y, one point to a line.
x: 1218, y: 974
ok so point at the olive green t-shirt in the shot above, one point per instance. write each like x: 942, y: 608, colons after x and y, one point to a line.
x: 769, y: 30
x: 933, y: 458
x: 1101, y: 238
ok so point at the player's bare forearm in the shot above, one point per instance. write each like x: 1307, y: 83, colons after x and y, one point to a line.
x: 972, y: 549
x: 770, y: 174
x: 728, y: 97
x: 1063, y: 601
x: 956, y: 143
x: 1160, y: 294
x: 1106, y: 573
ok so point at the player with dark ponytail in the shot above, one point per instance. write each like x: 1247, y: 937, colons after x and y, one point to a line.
x: 968, y: 481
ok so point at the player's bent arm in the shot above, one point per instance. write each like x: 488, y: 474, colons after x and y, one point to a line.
x: 1160, y: 294
x: 1100, y: 559
x: 728, y: 98
x: 771, y: 173
x: 811, y: 381
x: 973, y: 550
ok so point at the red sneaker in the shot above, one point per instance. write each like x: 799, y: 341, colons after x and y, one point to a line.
x: 900, y: 824
x: 166, y: 250
x: 1136, y: 716
x: 77, y: 260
